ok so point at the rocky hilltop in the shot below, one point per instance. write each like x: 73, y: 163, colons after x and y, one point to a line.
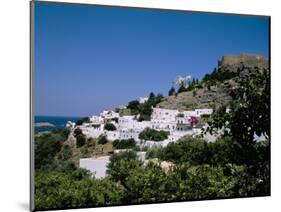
x: 229, y: 68
x: 247, y: 60
x: 234, y: 65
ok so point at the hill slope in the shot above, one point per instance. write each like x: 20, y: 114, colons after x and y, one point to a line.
x: 226, y: 73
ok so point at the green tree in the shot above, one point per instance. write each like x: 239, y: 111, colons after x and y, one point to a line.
x: 153, y: 135
x: 46, y: 146
x: 121, y: 164
x: 151, y: 96
x: 110, y: 127
x: 153, y: 152
x: 172, y: 91
x: 54, y: 189
x: 133, y: 105
x: 66, y: 152
x: 182, y: 88
x: 124, y: 143
x: 146, y: 184
x: 82, y: 120
x: 145, y: 111
x: 201, y: 182
x: 102, y: 139
x: 248, y: 111
x: 80, y: 140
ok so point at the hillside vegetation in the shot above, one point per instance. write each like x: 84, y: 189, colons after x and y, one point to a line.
x: 211, y: 91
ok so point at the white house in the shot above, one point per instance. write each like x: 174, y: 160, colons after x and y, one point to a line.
x: 109, y: 114
x: 164, y: 114
x: 189, y: 113
x: 92, y: 132
x: 205, y: 111
x: 112, y: 135
x: 97, y: 166
x: 126, y: 122
x: 96, y: 120
x: 70, y: 124
x: 143, y: 99
x: 129, y: 133
x: 183, y: 123
x: 163, y: 119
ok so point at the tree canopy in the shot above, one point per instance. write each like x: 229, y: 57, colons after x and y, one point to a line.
x: 153, y: 135
x: 110, y: 127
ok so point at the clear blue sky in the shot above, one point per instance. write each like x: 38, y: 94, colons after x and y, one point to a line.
x: 90, y: 58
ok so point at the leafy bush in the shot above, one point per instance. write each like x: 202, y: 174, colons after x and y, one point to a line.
x: 82, y: 120
x: 109, y: 127
x: 249, y: 113
x: 102, y: 139
x: 124, y: 144
x: 121, y: 164
x: 95, y: 125
x: 66, y: 153
x: 80, y: 137
x: 80, y: 140
x: 133, y: 105
x: 153, y: 135
x: 182, y: 88
x: 75, y: 189
x: 46, y: 146
x: 145, y: 109
x: 153, y: 152
x: 172, y: 91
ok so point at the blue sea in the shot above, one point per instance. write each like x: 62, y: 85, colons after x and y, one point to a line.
x: 57, y: 121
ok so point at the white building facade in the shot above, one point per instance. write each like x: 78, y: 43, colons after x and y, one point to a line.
x: 177, y: 123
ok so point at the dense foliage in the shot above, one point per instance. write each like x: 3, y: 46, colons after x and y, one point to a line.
x: 80, y: 137
x: 153, y: 135
x: 47, y: 145
x: 75, y: 188
x: 80, y: 140
x: 82, y: 120
x: 144, y: 110
x: 124, y: 143
x: 219, y: 76
x: 109, y: 127
x: 191, y: 86
x: 248, y: 112
x: 102, y: 139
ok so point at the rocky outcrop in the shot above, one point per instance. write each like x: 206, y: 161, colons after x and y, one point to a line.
x: 242, y: 62
x: 248, y: 60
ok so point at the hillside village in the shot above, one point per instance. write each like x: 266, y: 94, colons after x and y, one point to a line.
x: 175, y: 123
x: 156, y: 143
x: 170, y: 118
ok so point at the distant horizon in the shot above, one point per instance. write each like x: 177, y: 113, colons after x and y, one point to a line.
x: 89, y: 59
